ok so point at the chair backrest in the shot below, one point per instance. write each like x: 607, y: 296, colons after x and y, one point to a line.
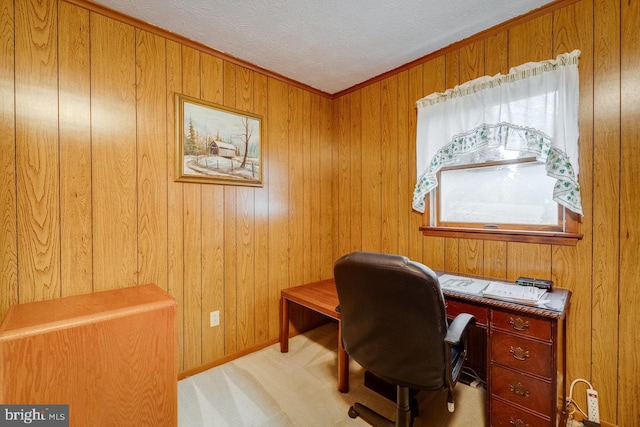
x: 393, y: 318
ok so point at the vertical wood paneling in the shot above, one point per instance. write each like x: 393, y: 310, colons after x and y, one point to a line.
x: 312, y: 194
x: 405, y: 179
x: 213, y: 214
x: 357, y: 184
x: 531, y: 41
x: 606, y: 199
x: 310, y: 209
x: 192, y: 229
x: 113, y: 154
x: 389, y: 148
x: 297, y: 209
x: 572, y: 266
x: 151, y: 83
x: 175, y: 216
x: 528, y: 260
x: 496, y: 59
x: 262, y: 303
x: 342, y: 138
x: 36, y: 122
x: 8, y: 195
x: 74, y: 100
x: 371, y: 179
x: 328, y: 191
x: 246, y: 231
x: 628, y: 402
x: 229, y: 311
x: 278, y: 158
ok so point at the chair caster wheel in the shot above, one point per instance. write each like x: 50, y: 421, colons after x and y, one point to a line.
x: 353, y: 413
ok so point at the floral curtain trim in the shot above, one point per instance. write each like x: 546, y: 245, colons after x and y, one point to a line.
x: 516, y: 73
x: 566, y: 191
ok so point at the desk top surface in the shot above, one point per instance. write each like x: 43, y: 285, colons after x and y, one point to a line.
x: 322, y: 297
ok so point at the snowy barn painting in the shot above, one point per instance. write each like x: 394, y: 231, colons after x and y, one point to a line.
x: 217, y: 144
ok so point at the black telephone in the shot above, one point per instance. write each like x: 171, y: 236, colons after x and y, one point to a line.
x: 538, y: 283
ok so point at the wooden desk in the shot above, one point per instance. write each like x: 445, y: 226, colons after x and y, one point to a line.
x: 323, y: 298
x: 524, y: 350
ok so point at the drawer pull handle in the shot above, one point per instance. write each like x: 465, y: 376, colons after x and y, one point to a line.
x: 518, y: 423
x: 519, y: 324
x: 519, y: 353
x: 519, y: 389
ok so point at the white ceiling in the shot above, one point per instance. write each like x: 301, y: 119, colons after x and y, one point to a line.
x: 329, y: 45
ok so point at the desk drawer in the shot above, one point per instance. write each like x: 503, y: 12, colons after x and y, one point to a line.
x: 519, y: 324
x: 455, y: 307
x: 520, y: 353
x: 521, y: 389
x: 504, y: 414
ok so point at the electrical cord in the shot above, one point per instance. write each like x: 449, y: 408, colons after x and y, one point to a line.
x: 570, y: 398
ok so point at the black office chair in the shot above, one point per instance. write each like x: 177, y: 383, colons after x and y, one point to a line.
x: 394, y: 324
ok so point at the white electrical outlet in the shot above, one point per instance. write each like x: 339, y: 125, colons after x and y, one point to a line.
x: 592, y: 405
x: 214, y: 318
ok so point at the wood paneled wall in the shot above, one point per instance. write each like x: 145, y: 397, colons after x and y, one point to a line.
x: 374, y: 143
x: 88, y: 200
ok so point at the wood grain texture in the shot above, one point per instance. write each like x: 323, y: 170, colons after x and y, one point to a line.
x: 8, y: 191
x: 130, y: 378
x: 175, y: 217
x: 278, y: 159
x: 357, y: 184
x: 74, y: 100
x: 405, y: 156
x: 229, y: 312
x: 328, y: 191
x: 192, y: 229
x: 531, y: 41
x: 371, y: 166
x: 342, y: 139
x: 113, y: 154
x: 37, y: 150
x: 213, y: 214
x: 245, y: 239
x: 628, y: 399
x: 262, y: 304
x: 606, y: 199
x: 389, y: 155
x: 151, y: 110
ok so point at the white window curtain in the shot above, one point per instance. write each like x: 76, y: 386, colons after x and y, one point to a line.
x: 534, y: 108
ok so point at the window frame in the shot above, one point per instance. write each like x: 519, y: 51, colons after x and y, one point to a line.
x: 565, y: 233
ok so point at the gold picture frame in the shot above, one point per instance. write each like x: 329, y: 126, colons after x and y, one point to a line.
x: 217, y: 144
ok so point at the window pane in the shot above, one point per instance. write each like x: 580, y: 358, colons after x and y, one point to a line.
x: 518, y: 193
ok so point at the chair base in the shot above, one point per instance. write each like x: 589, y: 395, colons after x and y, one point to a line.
x: 406, y: 410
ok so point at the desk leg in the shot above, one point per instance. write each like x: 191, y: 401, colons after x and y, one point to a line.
x: 343, y: 364
x: 284, y: 325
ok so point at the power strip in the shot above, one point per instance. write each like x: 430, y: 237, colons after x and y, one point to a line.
x: 592, y: 405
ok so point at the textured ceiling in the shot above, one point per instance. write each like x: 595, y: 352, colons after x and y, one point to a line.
x: 329, y: 45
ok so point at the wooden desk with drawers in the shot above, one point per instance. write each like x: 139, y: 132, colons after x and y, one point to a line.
x: 521, y: 349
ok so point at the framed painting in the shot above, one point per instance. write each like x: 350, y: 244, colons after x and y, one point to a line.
x: 217, y: 144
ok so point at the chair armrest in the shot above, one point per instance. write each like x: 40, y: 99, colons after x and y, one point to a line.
x: 457, y: 328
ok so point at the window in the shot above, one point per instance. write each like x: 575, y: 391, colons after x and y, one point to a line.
x: 497, y: 157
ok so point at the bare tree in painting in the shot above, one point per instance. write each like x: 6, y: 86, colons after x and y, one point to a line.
x: 247, y: 126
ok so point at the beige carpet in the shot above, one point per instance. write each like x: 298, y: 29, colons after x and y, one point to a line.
x: 299, y: 388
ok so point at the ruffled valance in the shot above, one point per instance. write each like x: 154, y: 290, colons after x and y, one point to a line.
x: 532, y: 109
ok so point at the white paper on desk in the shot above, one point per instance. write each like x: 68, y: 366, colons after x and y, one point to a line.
x: 515, y: 293
x: 467, y: 285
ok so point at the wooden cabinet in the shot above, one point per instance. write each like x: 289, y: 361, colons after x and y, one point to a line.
x: 111, y: 356
x: 525, y: 357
